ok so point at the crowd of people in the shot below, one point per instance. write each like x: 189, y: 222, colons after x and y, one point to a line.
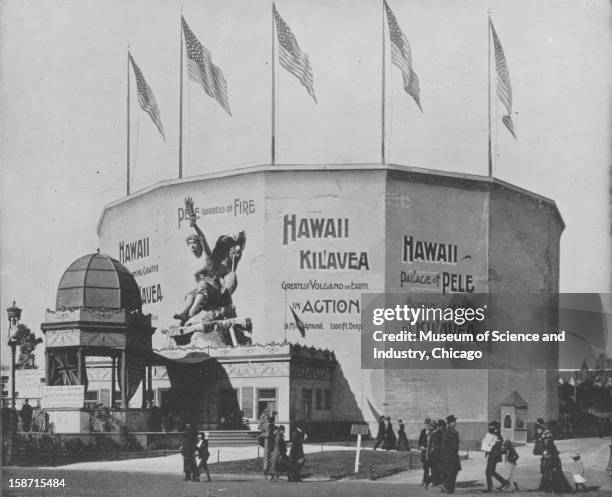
x: 195, y: 454
x: 438, y: 443
x: 275, y: 459
x: 439, y: 446
x: 386, y: 436
x: 26, y: 419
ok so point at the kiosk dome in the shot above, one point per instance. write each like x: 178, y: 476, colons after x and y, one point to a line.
x: 98, y: 281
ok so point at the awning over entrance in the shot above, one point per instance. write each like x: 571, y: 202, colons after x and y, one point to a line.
x: 155, y: 359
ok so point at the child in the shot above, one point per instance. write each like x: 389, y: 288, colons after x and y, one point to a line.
x: 203, y: 454
x: 578, y: 473
x: 511, y: 458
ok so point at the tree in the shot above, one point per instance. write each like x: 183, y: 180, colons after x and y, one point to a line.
x: 27, y: 342
x: 603, y: 362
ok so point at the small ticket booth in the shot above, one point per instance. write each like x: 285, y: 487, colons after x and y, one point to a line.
x: 514, y: 418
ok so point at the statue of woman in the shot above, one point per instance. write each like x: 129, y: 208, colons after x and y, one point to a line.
x: 214, y: 271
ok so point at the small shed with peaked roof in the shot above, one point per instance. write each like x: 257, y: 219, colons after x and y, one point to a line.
x: 513, y: 418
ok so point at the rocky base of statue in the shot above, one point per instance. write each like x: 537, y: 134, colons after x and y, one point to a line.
x: 217, y: 328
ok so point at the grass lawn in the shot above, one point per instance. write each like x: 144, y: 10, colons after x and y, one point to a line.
x: 334, y: 464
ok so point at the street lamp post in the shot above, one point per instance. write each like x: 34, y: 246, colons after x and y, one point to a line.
x: 14, y: 315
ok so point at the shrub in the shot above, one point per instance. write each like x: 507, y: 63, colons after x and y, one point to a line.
x: 103, y: 443
x: 128, y: 441
x: 74, y: 446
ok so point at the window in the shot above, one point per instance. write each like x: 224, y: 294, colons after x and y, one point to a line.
x: 227, y: 405
x: 266, y: 399
x: 105, y: 397
x: 163, y: 397
x: 319, y: 399
x: 91, y: 399
x: 307, y: 402
x: 507, y: 420
x: 247, y: 402
x: 327, y: 400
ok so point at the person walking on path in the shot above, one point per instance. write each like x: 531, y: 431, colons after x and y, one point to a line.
x: 450, y: 455
x: 279, y: 454
x: 390, y: 441
x: 553, y: 478
x: 511, y: 457
x: 188, y: 451
x: 538, y: 446
x: 402, y: 439
x: 264, y: 438
x: 578, y: 473
x: 203, y: 454
x: 271, y: 435
x: 423, y: 442
x: 434, y: 450
x: 380, y: 436
x: 296, y: 454
x: 494, y: 456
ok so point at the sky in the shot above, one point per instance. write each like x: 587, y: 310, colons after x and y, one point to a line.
x: 63, y: 70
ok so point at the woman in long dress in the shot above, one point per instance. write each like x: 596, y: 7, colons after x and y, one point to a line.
x: 538, y: 446
x: 553, y: 478
x: 402, y: 438
x: 390, y: 440
x: 279, y: 453
x: 296, y: 454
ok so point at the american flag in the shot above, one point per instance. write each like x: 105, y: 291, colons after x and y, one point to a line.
x: 146, y: 99
x: 290, y: 55
x: 299, y: 323
x: 202, y: 70
x: 401, y: 56
x: 504, y: 89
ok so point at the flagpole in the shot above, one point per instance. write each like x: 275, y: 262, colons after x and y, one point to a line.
x: 489, y: 88
x: 272, y: 63
x: 180, y: 175
x: 382, y: 120
x: 128, y: 124
x: 285, y: 316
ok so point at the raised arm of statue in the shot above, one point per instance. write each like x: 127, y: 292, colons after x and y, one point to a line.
x: 202, y: 238
x: 192, y: 222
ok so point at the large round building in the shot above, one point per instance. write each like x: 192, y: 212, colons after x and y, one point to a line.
x: 317, y: 238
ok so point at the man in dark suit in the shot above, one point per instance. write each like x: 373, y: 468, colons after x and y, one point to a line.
x: 494, y: 457
x: 434, y: 454
x: 423, y: 442
x: 203, y: 454
x: 188, y: 451
x: 26, y: 415
x: 450, y: 455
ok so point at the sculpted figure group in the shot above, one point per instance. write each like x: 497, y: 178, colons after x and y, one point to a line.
x: 214, y: 272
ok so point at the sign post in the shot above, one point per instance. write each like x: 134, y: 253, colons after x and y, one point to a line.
x: 358, y: 430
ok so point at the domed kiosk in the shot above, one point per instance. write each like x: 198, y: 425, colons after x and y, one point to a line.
x: 98, y: 313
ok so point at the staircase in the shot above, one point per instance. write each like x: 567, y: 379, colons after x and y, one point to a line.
x: 224, y: 438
